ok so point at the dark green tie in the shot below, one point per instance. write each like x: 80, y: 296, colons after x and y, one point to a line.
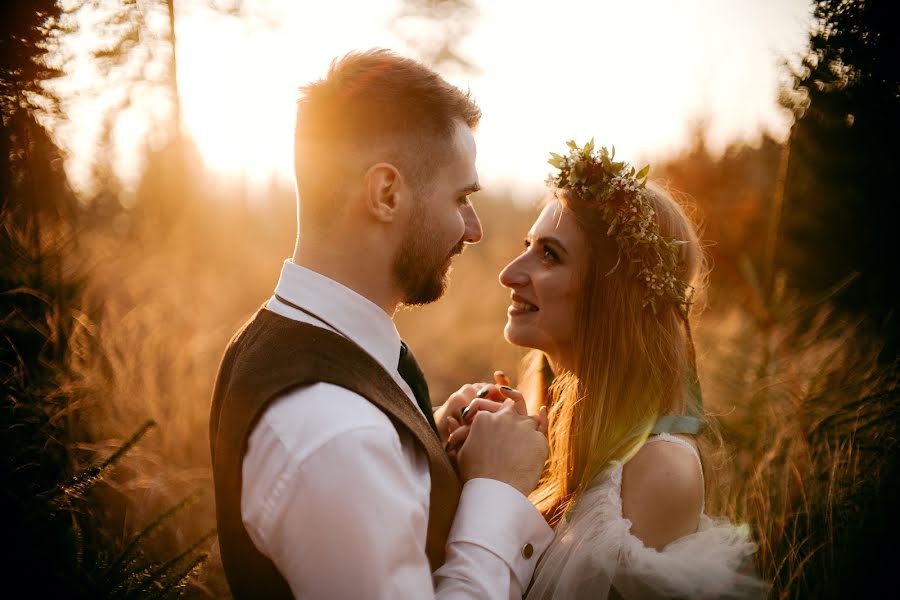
x: 411, y: 373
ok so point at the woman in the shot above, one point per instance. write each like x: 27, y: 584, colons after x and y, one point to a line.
x: 603, y: 293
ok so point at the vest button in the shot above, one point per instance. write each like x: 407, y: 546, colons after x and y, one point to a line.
x: 527, y: 550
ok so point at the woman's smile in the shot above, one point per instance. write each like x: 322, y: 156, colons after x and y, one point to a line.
x: 520, y: 306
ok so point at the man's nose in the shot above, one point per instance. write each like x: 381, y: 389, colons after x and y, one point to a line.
x: 473, y: 233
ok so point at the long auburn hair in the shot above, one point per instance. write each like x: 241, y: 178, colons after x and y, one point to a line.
x: 630, y: 365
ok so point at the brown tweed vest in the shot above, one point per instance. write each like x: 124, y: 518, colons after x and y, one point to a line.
x: 269, y: 356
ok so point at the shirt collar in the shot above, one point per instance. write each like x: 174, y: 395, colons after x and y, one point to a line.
x: 355, y: 316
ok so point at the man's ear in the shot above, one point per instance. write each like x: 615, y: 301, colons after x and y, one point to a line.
x: 383, y: 186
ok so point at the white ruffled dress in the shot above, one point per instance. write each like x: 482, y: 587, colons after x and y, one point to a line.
x: 594, y: 555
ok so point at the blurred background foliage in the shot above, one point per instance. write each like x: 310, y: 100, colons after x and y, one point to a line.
x: 116, y: 312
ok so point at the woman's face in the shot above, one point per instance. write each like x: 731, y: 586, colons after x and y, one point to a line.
x: 545, y: 283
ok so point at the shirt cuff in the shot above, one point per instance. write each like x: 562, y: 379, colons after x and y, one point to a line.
x: 498, y: 517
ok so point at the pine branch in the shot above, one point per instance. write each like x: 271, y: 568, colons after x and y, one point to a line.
x: 167, y: 569
x: 151, y: 528
x: 179, y: 582
x: 80, y: 484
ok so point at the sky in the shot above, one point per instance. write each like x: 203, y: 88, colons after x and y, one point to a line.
x: 637, y: 74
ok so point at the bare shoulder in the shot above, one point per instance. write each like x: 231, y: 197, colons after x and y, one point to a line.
x: 662, y: 493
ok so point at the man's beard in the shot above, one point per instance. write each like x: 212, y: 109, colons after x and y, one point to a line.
x: 420, y: 270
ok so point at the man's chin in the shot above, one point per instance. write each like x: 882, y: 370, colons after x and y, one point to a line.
x: 433, y: 292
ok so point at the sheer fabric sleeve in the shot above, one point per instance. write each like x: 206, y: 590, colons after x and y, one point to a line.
x: 595, y: 556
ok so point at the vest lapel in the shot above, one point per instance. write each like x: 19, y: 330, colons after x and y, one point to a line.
x: 399, y: 405
x: 333, y: 353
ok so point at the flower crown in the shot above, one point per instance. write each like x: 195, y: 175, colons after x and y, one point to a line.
x: 593, y: 176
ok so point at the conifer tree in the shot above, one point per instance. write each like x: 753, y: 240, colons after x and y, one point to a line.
x: 840, y: 198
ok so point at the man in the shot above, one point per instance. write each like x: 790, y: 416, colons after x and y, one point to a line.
x: 331, y: 479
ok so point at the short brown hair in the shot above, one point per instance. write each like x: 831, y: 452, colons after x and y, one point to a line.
x: 378, y: 105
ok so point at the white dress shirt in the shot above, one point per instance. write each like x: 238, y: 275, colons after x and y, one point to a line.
x: 339, y: 500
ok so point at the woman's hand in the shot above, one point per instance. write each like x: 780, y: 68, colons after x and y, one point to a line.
x: 490, y: 398
x: 448, y: 416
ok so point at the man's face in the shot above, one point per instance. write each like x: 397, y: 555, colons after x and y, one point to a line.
x: 441, y: 222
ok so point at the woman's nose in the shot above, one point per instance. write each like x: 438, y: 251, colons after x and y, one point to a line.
x: 514, y: 274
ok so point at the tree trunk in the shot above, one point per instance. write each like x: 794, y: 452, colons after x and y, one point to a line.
x: 173, y: 74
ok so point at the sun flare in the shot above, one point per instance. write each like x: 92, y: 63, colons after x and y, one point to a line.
x: 238, y: 81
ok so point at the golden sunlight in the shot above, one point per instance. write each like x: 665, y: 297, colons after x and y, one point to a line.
x: 638, y: 75
x: 238, y: 79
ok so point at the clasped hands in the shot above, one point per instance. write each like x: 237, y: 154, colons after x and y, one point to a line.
x: 487, y: 429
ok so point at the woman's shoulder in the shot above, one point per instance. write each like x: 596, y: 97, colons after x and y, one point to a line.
x: 624, y: 527
x: 662, y: 491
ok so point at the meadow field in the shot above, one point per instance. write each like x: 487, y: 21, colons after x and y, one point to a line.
x: 117, y: 301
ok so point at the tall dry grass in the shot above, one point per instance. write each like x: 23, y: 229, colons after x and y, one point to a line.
x: 810, y: 421
x: 171, y: 294
x: 58, y: 537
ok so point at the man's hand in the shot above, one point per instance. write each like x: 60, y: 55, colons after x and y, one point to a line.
x: 506, y: 446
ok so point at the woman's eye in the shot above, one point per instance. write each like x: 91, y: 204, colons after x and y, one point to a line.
x: 463, y: 200
x: 549, y: 255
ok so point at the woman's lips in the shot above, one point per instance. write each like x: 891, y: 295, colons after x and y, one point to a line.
x: 518, y: 306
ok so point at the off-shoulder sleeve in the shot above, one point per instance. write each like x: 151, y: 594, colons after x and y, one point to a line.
x: 594, y: 555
